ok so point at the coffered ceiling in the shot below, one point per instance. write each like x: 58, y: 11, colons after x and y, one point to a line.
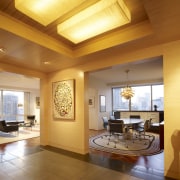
x: 136, y: 8
x: 29, y: 44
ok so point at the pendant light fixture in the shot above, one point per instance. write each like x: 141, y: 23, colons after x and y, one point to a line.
x: 127, y: 91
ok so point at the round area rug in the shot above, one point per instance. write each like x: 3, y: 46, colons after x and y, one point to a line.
x: 126, y: 146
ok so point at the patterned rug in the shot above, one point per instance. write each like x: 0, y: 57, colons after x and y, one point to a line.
x: 24, y: 133
x: 132, y: 146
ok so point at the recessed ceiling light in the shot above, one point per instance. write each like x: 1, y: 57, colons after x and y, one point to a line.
x: 2, y: 50
x: 46, y: 62
x: 46, y: 11
x: 101, y: 17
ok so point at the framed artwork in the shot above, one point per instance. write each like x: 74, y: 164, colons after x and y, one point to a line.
x: 91, y: 102
x: 37, y: 102
x: 63, y: 99
x: 102, y: 102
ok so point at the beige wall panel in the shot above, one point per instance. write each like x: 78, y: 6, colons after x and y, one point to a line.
x: 44, y: 112
x: 172, y: 107
x: 69, y: 134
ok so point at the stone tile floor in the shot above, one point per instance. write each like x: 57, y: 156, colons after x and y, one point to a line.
x: 48, y: 165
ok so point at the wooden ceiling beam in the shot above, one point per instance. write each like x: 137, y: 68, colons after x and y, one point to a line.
x: 115, y: 38
x: 23, y: 30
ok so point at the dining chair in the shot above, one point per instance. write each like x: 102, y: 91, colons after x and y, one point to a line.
x: 105, y: 122
x: 117, y: 129
x: 112, y: 117
x: 141, y: 130
x: 149, y: 124
x: 133, y: 127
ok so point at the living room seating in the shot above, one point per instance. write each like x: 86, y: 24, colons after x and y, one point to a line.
x: 30, y: 122
x: 31, y: 119
x: 8, y: 128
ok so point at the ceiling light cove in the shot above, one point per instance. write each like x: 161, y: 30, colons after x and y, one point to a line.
x: 47, y: 62
x: 101, y: 17
x: 2, y: 50
x: 46, y: 11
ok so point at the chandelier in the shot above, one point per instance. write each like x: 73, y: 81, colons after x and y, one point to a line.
x: 127, y: 91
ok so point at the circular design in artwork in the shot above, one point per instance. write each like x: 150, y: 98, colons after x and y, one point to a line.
x: 63, y: 99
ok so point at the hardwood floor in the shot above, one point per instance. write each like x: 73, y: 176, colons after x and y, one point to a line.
x: 153, y: 162
x: 31, y: 145
x: 23, y: 147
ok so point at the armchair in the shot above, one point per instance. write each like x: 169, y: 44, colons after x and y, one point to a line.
x: 105, y: 122
x: 143, y: 129
x: 30, y: 122
x: 8, y: 128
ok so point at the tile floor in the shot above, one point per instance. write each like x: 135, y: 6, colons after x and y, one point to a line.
x: 46, y: 163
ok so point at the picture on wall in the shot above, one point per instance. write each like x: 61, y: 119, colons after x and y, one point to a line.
x: 63, y: 99
x: 37, y: 102
x: 91, y: 102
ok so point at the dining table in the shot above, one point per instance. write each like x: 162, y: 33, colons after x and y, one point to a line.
x: 131, y: 121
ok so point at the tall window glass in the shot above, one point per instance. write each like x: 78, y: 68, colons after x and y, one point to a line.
x: 119, y: 103
x: 13, y: 105
x: 141, y: 101
x: 145, y: 98
x: 158, y: 97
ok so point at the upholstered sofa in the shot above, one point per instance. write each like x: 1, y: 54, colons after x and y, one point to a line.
x: 8, y: 128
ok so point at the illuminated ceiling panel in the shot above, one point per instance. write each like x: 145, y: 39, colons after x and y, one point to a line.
x: 46, y: 11
x: 94, y: 20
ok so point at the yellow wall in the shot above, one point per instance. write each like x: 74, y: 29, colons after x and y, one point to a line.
x: 172, y: 109
x: 71, y: 135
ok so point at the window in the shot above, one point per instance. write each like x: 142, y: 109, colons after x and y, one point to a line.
x: 142, y: 98
x: 145, y: 97
x: 119, y: 103
x: 13, y: 106
x: 158, y: 97
x: 116, y: 98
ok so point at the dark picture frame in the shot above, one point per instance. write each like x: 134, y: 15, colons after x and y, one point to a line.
x: 91, y: 102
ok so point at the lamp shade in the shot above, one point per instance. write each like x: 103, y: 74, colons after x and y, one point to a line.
x: 127, y: 92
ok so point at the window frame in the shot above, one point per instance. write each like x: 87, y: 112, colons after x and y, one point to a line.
x: 25, y: 104
x: 129, y: 101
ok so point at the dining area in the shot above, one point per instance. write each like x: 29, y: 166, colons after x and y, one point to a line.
x: 127, y: 136
x: 133, y: 128
x: 126, y: 139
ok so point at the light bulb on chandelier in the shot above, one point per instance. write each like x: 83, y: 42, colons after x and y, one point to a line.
x: 127, y: 91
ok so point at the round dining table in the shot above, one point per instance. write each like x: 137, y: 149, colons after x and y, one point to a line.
x: 131, y: 121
